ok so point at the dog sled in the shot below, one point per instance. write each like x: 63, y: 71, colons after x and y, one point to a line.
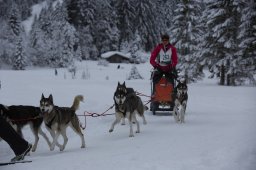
x: 162, y: 96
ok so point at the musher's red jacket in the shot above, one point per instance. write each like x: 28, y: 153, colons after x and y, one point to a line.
x: 154, y: 61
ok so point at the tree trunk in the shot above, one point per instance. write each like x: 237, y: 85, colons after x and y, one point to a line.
x: 228, y: 79
x: 222, y: 75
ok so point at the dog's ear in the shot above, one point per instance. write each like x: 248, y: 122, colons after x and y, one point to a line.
x: 50, y: 97
x: 184, y: 81
x: 42, y: 97
x: 124, y: 84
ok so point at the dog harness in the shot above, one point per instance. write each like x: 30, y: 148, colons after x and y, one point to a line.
x: 49, y: 124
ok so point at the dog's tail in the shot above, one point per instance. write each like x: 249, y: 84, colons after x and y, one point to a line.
x: 76, y: 103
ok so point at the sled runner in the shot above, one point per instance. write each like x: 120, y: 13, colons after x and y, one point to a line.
x: 10, y: 163
x: 162, y: 94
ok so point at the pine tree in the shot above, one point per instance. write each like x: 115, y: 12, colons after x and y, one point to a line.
x: 146, y: 24
x: 8, y: 42
x: 221, y: 41
x: 186, y: 35
x: 167, y: 11
x: 246, y: 61
x: 104, y: 29
x: 14, y: 21
x: 125, y: 20
x: 19, y: 59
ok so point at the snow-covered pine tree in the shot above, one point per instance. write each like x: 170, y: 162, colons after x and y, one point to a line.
x: 105, y: 32
x: 246, y: 63
x: 52, y: 38
x: 146, y: 24
x: 134, y: 74
x: 221, y: 41
x: 73, y: 12
x: 185, y: 36
x: 167, y: 11
x: 85, y: 17
x: 8, y: 42
x: 136, y: 48
x: 41, y: 41
x: 125, y: 10
x: 14, y: 21
x: 88, y: 48
x: 18, y: 62
x: 19, y: 59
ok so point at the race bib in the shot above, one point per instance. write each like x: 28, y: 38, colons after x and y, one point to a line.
x: 165, y: 57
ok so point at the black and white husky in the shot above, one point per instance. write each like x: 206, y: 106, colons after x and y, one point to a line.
x: 127, y: 104
x: 19, y: 116
x: 181, y: 99
x: 57, y: 119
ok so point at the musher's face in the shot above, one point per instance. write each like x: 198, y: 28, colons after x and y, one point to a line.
x: 165, y: 41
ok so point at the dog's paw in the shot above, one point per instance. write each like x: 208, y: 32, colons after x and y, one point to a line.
x: 33, y: 149
x: 137, y: 131
x: 131, y: 135
x: 62, y: 148
x: 110, y: 130
x: 182, y: 121
x: 83, y: 146
x: 177, y: 121
x: 52, y: 147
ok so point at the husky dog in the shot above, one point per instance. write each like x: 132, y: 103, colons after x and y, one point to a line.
x: 57, y: 119
x: 180, y: 103
x: 19, y: 116
x: 127, y: 104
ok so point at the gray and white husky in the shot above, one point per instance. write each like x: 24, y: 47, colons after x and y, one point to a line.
x: 181, y: 99
x: 57, y: 119
x: 127, y: 104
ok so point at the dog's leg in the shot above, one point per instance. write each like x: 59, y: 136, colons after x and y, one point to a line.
x: 137, y: 123
x: 40, y: 131
x: 175, y: 114
x: 185, y: 106
x: 182, y: 116
x: 144, y: 120
x: 35, y: 132
x: 52, y: 132
x: 65, y: 138
x: 123, y: 121
x: 75, y: 126
x: 118, y: 119
x: 53, y: 136
x: 182, y: 112
x: 176, y: 111
x: 55, y: 141
x: 130, y: 123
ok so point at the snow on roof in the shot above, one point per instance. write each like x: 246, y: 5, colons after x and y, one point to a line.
x: 111, y: 53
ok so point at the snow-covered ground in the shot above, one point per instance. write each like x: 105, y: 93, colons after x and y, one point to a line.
x: 219, y: 133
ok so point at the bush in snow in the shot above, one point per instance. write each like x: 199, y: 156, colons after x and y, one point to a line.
x: 85, y: 74
x: 103, y: 63
x: 134, y: 74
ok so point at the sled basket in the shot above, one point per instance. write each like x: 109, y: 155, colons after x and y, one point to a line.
x: 163, y: 91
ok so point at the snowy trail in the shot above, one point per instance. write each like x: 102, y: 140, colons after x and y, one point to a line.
x: 219, y: 132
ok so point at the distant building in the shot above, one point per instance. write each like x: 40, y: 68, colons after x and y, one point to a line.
x: 116, y: 57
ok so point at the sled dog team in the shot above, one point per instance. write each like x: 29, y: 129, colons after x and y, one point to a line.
x: 57, y: 119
